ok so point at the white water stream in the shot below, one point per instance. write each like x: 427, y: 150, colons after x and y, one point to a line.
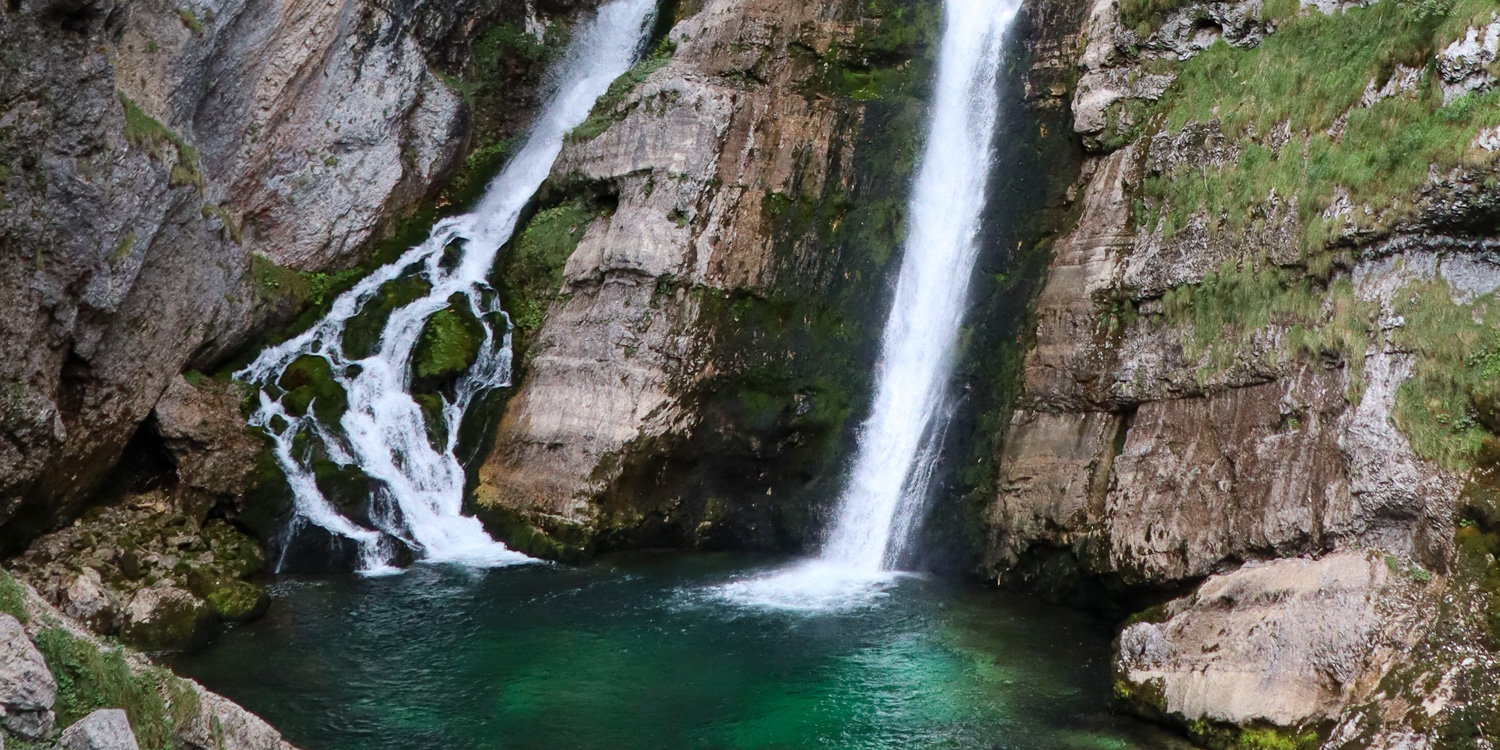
x: 421, y: 488
x: 888, y: 484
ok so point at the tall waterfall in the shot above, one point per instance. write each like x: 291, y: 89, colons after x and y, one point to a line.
x: 419, y: 486
x: 898, y: 443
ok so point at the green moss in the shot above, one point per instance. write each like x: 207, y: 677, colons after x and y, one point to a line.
x: 308, y: 382
x: 449, y: 343
x: 144, y: 131
x: 215, y: 211
x: 1229, y: 737
x: 362, y: 332
x: 122, y: 250
x: 12, y: 597
x: 190, y: 20
x: 89, y: 677
x: 276, y: 285
x: 323, y: 287
x: 530, y: 275
x: 230, y: 599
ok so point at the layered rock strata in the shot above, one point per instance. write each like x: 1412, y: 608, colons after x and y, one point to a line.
x: 1236, y: 388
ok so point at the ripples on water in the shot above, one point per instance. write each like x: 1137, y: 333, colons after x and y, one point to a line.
x: 656, y: 652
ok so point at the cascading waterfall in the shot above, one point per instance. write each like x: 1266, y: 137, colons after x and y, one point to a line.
x: 888, y: 484
x: 384, y: 431
x: 898, y: 442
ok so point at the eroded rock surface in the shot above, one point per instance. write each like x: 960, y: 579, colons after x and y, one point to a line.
x: 167, y: 170
x: 1237, y: 396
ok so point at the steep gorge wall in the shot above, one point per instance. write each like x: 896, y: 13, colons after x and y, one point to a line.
x: 1260, y: 373
x: 173, y: 177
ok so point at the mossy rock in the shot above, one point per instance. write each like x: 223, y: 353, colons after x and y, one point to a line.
x: 568, y: 543
x: 231, y: 599
x: 432, y: 415
x: 176, y: 620
x: 346, y: 487
x: 235, y: 553
x: 268, y: 499
x: 308, y: 382
x: 449, y: 344
x: 362, y: 332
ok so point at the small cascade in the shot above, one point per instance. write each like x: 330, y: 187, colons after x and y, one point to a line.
x: 898, y: 443
x: 384, y: 431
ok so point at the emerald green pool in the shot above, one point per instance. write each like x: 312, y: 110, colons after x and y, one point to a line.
x: 645, y: 651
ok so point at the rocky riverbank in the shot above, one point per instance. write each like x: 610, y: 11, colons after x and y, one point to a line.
x: 62, y: 687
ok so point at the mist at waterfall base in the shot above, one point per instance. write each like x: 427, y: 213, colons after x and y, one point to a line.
x: 419, y: 485
x: 898, y: 443
x: 638, y: 652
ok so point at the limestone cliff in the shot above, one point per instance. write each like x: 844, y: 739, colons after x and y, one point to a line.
x: 174, y: 178
x: 727, y: 216
x: 1261, y: 377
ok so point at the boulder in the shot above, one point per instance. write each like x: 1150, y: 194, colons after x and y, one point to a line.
x: 27, y: 690
x: 1289, y: 643
x: 162, y: 618
x: 105, y: 729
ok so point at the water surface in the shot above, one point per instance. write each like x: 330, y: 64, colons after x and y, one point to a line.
x: 645, y: 651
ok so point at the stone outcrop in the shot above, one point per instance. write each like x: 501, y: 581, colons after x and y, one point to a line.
x: 169, y: 172
x: 736, y: 180
x: 27, y: 689
x: 143, y: 571
x: 37, y: 640
x: 105, y: 729
x: 1221, y: 407
x: 1287, y: 642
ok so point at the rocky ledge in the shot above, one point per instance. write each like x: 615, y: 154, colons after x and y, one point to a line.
x: 62, y: 687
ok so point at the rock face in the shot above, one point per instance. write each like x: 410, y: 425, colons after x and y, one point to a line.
x: 168, y: 711
x: 1286, y: 642
x: 168, y: 169
x: 1236, y: 388
x: 743, y: 188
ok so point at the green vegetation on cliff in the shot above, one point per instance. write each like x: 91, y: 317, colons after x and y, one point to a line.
x: 1298, y: 118
x: 607, y: 110
x: 530, y: 274
x: 144, y: 131
x: 91, y: 677
x: 1448, y: 406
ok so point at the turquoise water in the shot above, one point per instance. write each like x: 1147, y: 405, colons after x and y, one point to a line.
x: 643, y: 652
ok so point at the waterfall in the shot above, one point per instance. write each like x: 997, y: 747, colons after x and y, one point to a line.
x: 889, y: 480
x: 419, y: 482
x: 898, y: 443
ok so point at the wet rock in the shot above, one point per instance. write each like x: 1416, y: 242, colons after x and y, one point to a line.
x: 27, y: 689
x: 105, y: 729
